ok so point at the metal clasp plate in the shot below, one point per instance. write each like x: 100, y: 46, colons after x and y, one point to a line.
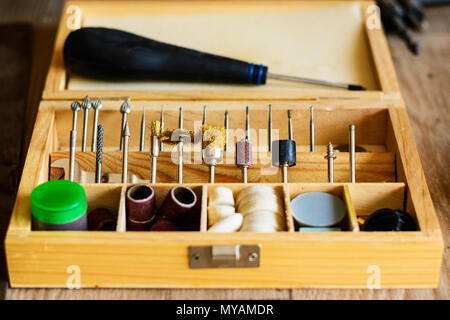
x: 232, y: 256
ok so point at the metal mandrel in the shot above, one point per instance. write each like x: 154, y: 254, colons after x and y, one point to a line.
x: 155, y: 128
x: 99, y: 151
x: 330, y: 157
x: 351, y: 153
x: 244, y: 158
x: 227, y: 125
x: 161, y: 120
x: 204, y: 115
x: 180, y: 136
x: 290, y: 127
x: 126, y: 138
x: 142, y: 138
x: 311, y: 129
x: 213, y: 142
x: 96, y: 105
x: 75, y: 106
x: 124, y: 110
x: 269, y: 130
x: 86, y: 105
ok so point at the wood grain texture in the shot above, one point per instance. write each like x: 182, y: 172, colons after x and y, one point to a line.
x: 311, y: 167
x: 426, y: 95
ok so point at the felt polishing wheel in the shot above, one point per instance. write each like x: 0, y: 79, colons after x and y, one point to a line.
x: 318, y: 209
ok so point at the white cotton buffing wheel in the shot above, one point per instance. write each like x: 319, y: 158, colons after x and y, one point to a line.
x: 266, y: 217
x: 221, y: 196
x: 219, y: 212
x: 257, y: 189
x: 257, y: 203
x: 231, y: 223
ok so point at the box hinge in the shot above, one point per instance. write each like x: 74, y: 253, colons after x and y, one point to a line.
x: 232, y: 256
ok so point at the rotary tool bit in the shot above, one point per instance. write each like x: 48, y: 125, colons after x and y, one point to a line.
x: 244, y: 150
x: 226, y: 124
x: 125, y: 137
x: 96, y: 105
x: 75, y: 106
x: 284, y: 152
x: 213, y: 142
x: 86, y: 105
x: 161, y: 120
x: 311, y: 129
x: 115, y: 54
x: 330, y: 157
x: 141, y: 142
x: 351, y: 153
x: 269, y: 130
x: 155, y: 128
x: 180, y: 136
x: 204, y: 115
x: 124, y: 109
x: 98, y: 158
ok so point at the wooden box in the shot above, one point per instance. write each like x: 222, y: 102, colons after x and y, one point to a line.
x: 346, y: 44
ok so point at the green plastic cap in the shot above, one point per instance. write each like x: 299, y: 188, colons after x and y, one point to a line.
x: 58, y: 202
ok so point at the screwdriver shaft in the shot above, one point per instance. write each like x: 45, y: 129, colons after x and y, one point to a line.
x: 307, y: 80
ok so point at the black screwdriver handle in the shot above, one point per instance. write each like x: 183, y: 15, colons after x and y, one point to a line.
x: 112, y: 54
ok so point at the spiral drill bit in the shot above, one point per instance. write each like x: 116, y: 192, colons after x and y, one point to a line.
x: 126, y: 138
x: 155, y: 128
x: 141, y: 142
x: 213, y: 143
x: 75, y: 106
x: 99, y: 151
x: 244, y: 150
x: 96, y: 105
x: 124, y: 109
x: 351, y: 153
x: 330, y: 157
x: 284, y: 151
x: 86, y: 105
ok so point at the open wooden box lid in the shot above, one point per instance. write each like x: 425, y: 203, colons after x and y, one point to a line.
x: 340, y: 41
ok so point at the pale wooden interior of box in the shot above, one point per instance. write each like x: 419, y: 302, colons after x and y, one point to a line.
x: 316, y: 39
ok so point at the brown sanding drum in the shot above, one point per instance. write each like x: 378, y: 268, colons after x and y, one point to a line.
x: 178, y: 202
x: 140, y: 207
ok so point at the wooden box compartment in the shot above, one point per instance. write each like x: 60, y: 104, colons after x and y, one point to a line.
x: 388, y: 175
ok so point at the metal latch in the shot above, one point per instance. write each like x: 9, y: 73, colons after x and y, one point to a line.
x: 234, y: 256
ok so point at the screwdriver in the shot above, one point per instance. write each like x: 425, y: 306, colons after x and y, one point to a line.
x: 112, y: 54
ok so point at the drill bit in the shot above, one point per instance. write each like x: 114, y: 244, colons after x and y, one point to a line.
x: 351, y: 153
x: 75, y: 106
x: 86, y: 105
x: 155, y: 128
x: 124, y: 109
x: 125, y: 137
x: 141, y: 142
x: 98, y: 158
x: 161, y: 120
x: 96, y: 105
x: 330, y: 157
x: 204, y: 115
x: 213, y: 143
x: 311, y: 129
x: 244, y: 150
x: 291, y: 130
x: 284, y: 152
x: 269, y: 130
x: 226, y: 124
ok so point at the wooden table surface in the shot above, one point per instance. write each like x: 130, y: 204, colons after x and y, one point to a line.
x: 424, y: 81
